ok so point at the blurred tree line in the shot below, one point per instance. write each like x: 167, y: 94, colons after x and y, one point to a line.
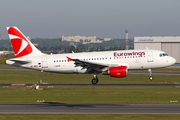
x: 56, y: 45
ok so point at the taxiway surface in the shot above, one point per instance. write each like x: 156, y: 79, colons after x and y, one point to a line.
x: 90, y: 108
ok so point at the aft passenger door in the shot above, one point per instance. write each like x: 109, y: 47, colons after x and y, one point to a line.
x: 44, y: 62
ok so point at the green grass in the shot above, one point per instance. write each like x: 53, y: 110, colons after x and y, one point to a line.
x: 95, y: 95
x: 32, y: 77
x: 9, y: 66
x: 90, y: 95
x: 2, y: 60
x: 87, y: 117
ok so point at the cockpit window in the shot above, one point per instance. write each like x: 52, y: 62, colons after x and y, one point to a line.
x: 163, y: 54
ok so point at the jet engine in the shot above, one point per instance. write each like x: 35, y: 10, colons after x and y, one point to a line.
x: 119, y: 71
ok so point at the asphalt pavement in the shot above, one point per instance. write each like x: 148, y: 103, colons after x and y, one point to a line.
x: 46, y: 108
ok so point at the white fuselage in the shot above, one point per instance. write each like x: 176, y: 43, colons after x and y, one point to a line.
x: 133, y: 59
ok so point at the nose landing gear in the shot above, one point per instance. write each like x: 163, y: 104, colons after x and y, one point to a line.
x: 150, y: 73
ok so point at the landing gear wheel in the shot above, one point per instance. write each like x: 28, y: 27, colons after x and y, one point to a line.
x: 94, y: 81
x: 151, y: 78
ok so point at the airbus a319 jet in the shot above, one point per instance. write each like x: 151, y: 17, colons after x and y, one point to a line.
x: 113, y: 63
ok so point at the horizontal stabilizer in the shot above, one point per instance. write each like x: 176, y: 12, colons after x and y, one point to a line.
x: 17, y: 61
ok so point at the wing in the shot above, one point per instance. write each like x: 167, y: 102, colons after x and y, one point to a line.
x: 91, y: 67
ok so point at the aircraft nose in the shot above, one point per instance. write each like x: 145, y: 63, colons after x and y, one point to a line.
x: 173, y: 60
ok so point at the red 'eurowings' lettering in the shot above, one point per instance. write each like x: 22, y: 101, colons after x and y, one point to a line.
x: 128, y: 54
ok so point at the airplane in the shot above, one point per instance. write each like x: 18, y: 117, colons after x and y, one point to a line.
x: 113, y: 63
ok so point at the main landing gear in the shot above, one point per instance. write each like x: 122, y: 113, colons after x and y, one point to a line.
x: 95, y: 80
x: 150, y: 73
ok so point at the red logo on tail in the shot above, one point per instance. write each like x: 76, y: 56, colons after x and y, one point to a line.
x: 19, y: 43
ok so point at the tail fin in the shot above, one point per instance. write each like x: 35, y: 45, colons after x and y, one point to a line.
x: 21, y: 45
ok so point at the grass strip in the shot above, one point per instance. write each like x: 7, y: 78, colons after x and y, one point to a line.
x: 90, y: 95
x: 32, y: 77
x: 88, y: 117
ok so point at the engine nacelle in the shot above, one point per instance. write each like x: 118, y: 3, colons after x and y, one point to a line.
x: 120, y: 71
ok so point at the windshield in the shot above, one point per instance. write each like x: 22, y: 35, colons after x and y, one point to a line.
x: 163, y: 54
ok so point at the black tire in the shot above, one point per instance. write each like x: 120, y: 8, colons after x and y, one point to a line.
x: 97, y: 80
x: 151, y: 78
x: 94, y: 81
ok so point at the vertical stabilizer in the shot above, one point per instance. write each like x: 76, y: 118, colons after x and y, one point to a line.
x: 21, y: 45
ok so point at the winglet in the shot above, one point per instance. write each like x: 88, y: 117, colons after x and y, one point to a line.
x: 69, y: 59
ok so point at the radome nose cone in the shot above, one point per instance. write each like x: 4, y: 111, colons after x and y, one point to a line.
x: 173, y: 61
